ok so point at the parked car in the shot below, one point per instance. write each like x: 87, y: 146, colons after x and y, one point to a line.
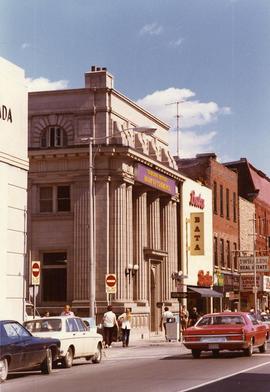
x: 226, y: 331
x: 76, y: 340
x: 19, y: 350
x: 265, y: 319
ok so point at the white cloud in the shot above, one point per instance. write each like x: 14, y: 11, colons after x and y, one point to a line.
x: 193, y: 113
x: 177, y: 42
x: 43, y: 84
x: 151, y: 29
x: 25, y: 45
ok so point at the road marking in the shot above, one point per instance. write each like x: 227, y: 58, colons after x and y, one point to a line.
x: 224, y: 377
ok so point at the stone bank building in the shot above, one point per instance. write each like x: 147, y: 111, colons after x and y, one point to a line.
x: 136, y: 208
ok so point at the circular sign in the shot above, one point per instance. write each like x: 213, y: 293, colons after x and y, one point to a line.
x: 35, y: 269
x: 111, y: 280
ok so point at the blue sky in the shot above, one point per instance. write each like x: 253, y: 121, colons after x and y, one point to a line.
x: 213, y: 55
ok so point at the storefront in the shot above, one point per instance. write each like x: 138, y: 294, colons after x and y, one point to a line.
x: 13, y: 184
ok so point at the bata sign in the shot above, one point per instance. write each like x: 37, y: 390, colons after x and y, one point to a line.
x: 196, y: 201
x: 246, y: 264
x: 5, y: 114
x: 197, y: 233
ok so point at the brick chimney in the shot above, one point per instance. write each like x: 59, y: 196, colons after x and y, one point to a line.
x: 98, y: 77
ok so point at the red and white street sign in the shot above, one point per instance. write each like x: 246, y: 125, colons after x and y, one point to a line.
x: 110, y: 283
x: 36, y: 273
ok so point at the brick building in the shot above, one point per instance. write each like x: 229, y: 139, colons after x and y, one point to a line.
x: 135, y: 195
x: 224, y: 185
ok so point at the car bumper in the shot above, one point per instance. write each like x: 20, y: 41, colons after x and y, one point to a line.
x: 232, y: 345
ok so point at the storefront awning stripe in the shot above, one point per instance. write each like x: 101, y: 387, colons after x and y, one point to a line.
x: 206, y: 292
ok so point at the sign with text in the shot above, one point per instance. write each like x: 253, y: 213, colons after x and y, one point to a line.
x: 156, y: 180
x: 177, y: 294
x: 35, y: 273
x: 110, y: 283
x: 246, y: 264
x: 266, y: 284
x: 247, y: 282
x: 197, y: 234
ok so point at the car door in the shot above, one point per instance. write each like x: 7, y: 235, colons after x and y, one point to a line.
x: 11, y: 346
x: 86, y: 348
x: 74, y: 336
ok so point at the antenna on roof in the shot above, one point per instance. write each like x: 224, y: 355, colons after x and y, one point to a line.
x: 178, y: 115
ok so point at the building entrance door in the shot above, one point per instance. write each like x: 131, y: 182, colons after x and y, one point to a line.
x: 155, y: 297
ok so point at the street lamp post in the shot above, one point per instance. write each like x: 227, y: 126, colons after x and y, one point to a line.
x: 92, y: 264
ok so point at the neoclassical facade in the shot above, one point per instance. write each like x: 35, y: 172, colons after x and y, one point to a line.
x: 135, y: 194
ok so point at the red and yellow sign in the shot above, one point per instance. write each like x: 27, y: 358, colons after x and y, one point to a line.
x: 197, y: 234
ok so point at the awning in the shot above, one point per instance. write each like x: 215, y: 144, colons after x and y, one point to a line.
x: 206, y: 292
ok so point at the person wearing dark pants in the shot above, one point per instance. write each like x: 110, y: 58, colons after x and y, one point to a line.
x: 109, y: 321
x: 125, y: 320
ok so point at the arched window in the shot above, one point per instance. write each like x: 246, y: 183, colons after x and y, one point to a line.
x: 53, y: 137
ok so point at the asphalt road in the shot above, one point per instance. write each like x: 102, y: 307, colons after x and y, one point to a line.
x: 154, y: 368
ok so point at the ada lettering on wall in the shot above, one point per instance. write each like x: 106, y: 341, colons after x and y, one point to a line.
x: 5, y: 114
x: 197, y: 234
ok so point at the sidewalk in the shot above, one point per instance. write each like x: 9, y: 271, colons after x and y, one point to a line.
x: 154, y: 346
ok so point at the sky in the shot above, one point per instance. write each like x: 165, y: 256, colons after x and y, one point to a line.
x: 212, y: 56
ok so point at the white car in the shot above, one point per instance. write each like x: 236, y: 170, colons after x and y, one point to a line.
x: 76, y: 340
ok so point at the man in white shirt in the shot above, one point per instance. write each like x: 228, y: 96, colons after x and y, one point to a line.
x: 67, y: 311
x: 167, y: 314
x: 109, y: 321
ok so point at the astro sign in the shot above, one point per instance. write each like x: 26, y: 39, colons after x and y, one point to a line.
x: 5, y: 114
x: 155, y: 179
x: 196, y: 201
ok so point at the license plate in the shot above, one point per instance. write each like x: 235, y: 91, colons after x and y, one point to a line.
x: 213, y: 346
x: 214, y: 340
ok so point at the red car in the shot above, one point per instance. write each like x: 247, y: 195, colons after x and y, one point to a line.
x: 226, y: 331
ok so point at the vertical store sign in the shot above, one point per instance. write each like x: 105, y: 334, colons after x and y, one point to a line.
x: 197, y: 233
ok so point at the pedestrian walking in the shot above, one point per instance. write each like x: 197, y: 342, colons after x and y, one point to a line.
x: 124, y: 321
x: 193, y: 316
x: 184, y: 317
x: 67, y: 311
x: 109, y: 322
x: 166, y: 316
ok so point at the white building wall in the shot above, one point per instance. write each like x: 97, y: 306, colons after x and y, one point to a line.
x: 193, y: 264
x: 13, y: 188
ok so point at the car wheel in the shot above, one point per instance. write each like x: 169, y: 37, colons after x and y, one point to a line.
x: 196, y: 353
x: 249, y: 351
x: 215, y: 353
x: 263, y: 348
x: 68, y: 358
x: 3, y: 369
x: 46, y: 366
x: 98, y: 354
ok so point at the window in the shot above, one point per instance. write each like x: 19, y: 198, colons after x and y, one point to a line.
x: 228, y: 253
x: 215, y: 197
x: 71, y: 325
x: 222, y: 261
x: 54, y: 277
x: 227, y: 203
x: 53, y: 137
x: 234, y: 207
x: 235, y: 255
x: 215, y: 251
x: 221, y: 199
x: 54, y: 198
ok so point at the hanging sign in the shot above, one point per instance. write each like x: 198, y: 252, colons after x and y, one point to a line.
x: 197, y: 234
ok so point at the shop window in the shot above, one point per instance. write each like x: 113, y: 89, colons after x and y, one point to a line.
x: 221, y: 199
x: 221, y: 250
x: 53, y: 137
x: 55, y: 198
x: 54, y: 277
x: 227, y: 203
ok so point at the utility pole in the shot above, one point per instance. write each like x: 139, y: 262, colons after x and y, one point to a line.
x: 177, y: 103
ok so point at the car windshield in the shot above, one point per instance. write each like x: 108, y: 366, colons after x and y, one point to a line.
x: 220, y: 320
x: 44, y: 325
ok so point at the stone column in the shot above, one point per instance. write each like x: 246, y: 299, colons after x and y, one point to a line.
x: 129, y: 229
x: 153, y: 222
x: 140, y: 242
x: 118, y: 236
x: 173, y: 243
